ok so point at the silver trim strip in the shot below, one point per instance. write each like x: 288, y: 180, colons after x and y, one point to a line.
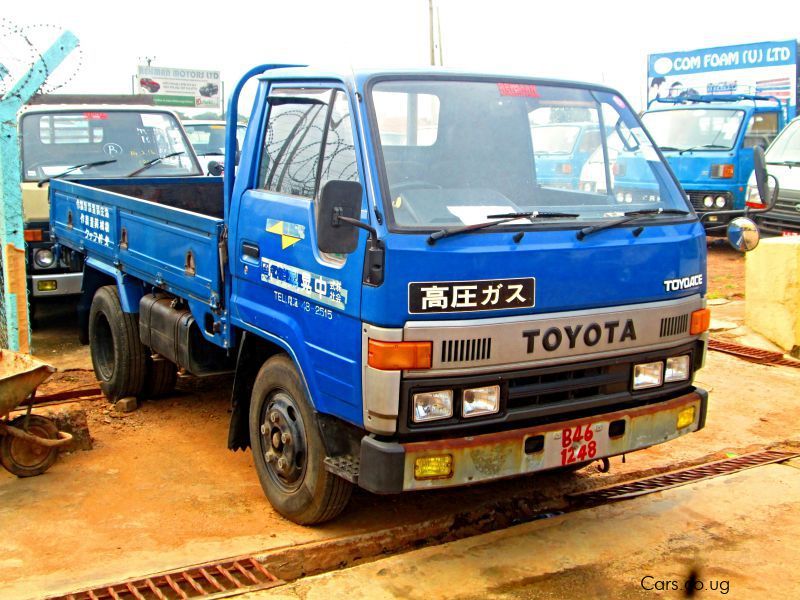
x: 510, y: 345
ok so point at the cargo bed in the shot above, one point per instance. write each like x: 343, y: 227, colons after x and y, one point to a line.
x: 166, y: 232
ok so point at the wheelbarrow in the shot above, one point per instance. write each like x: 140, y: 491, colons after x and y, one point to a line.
x: 28, y: 443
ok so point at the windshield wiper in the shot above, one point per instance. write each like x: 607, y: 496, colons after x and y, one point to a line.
x: 669, y: 148
x: 503, y: 218
x: 152, y: 162
x: 786, y: 163
x: 97, y: 163
x: 704, y: 146
x: 629, y: 216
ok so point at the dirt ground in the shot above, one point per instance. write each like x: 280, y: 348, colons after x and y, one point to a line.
x: 725, y: 271
x: 160, y: 490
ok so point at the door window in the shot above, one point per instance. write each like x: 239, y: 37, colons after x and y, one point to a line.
x: 293, y: 143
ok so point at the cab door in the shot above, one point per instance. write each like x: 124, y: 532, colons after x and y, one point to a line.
x: 282, y: 285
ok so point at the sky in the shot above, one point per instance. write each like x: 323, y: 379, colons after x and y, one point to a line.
x: 602, y: 42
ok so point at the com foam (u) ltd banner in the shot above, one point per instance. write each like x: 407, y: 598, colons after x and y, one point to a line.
x: 194, y: 88
x: 764, y: 68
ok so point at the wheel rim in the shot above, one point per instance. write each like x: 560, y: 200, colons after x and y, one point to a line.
x: 283, y: 441
x: 103, y: 347
x: 28, y: 455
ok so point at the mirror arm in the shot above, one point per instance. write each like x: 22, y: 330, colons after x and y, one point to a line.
x: 338, y: 219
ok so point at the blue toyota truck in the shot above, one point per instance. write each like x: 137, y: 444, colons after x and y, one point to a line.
x: 403, y: 305
x: 708, y: 141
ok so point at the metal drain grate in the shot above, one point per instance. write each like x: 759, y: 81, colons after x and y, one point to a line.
x: 657, y: 483
x: 765, y: 357
x: 213, y: 580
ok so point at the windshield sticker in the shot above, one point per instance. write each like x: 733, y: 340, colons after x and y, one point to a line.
x: 311, y: 285
x: 471, y: 296
x: 518, y: 89
x: 290, y: 233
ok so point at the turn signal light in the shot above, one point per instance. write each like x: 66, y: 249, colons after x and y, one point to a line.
x: 722, y: 171
x: 433, y: 467
x: 701, y: 320
x: 33, y: 235
x: 396, y: 356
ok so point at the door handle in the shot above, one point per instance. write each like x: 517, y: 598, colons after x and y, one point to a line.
x: 250, y: 251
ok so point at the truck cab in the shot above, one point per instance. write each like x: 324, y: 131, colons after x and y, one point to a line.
x: 562, y: 150
x: 80, y: 141
x: 708, y: 141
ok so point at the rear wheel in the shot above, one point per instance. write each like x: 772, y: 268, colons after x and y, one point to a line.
x: 160, y: 377
x: 24, y: 458
x: 118, y: 356
x: 287, y: 448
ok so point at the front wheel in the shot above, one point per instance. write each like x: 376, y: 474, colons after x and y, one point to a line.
x: 287, y: 448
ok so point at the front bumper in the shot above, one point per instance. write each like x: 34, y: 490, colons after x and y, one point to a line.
x: 66, y: 284
x: 388, y: 467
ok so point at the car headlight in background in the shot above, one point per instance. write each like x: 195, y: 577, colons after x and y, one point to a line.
x: 753, y: 198
x: 708, y: 201
x: 432, y: 406
x: 720, y: 201
x: 480, y: 401
x: 44, y: 257
x: 648, y: 375
x: 678, y: 368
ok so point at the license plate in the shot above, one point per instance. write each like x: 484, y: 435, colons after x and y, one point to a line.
x: 577, y: 444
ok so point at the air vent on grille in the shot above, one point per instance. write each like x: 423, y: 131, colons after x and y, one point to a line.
x: 466, y: 350
x: 674, y: 325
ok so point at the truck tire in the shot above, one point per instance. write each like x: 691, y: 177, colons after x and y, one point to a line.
x: 288, y: 450
x: 118, y: 357
x: 160, y: 376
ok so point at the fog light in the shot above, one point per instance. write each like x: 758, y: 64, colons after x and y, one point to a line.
x: 44, y: 258
x: 47, y: 285
x: 432, y: 406
x: 685, y: 417
x: 720, y: 201
x: 708, y: 201
x: 433, y: 467
x: 648, y: 375
x: 677, y: 368
x: 480, y: 401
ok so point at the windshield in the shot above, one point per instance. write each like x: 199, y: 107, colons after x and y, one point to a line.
x: 54, y: 142
x: 786, y: 147
x: 695, y: 128
x: 456, y: 151
x: 555, y: 139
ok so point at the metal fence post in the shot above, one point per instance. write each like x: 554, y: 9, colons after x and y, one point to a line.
x: 15, y: 330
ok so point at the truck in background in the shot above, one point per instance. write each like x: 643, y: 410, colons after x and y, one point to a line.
x: 88, y: 140
x: 208, y: 140
x: 404, y: 306
x: 708, y: 141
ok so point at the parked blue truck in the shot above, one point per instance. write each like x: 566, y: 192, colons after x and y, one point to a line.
x: 402, y: 304
x: 708, y: 141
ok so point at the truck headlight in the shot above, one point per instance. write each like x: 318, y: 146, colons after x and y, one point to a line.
x: 648, y: 375
x: 480, y: 401
x: 708, y: 201
x: 44, y: 258
x: 678, y: 368
x: 432, y: 406
x: 720, y: 201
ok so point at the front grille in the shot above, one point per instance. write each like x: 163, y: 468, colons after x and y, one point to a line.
x: 466, y: 350
x: 696, y: 198
x: 785, y: 216
x: 567, y: 384
x: 674, y: 325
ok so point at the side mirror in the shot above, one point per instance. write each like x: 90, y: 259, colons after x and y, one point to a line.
x: 339, y: 205
x: 215, y: 168
x: 762, y: 180
x: 743, y: 234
